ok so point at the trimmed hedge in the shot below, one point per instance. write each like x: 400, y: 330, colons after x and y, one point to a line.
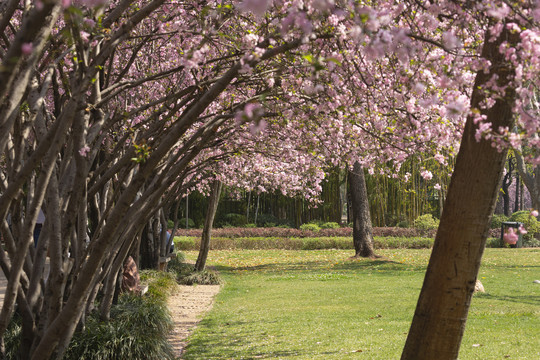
x: 244, y: 232
x: 296, y: 243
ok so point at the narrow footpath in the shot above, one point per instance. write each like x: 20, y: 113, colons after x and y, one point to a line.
x: 187, y: 308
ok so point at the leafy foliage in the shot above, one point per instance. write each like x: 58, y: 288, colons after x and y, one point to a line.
x: 329, y: 225
x: 426, y: 222
x: 137, y: 330
x: 310, y: 227
x: 497, y: 220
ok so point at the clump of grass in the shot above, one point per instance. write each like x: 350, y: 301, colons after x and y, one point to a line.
x: 186, y: 274
x: 205, y: 277
x: 161, y: 284
x: 137, y: 330
x: 12, y: 337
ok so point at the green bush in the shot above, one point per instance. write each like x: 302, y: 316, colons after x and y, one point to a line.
x: 234, y: 220
x: 531, y: 224
x: 494, y: 243
x: 138, y: 329
x: 310, y: 227
x: 185, y: 242
x: 161, y: 284
x: 403, y: 224
x: 497, y: 220
x: 426, y: 222
x: 170, y: 224
x: 182, y: 223
x: 330, y: 225
x: 250, y: 226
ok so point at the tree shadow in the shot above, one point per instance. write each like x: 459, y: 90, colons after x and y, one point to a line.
x: 522, y: 299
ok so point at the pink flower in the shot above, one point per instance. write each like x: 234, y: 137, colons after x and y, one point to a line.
x: 437, y: 186
x: 534, y: 213
x: 84, y: 151
x: 257, y: 7
x: 426, y: 174
x: 522, y: 230
x: 510, y: 237
x: 27, y: 48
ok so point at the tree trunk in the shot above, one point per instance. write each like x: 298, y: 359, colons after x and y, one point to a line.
x: 362, y: 231
x: 441, y: 313
x: 208, y: 222
x: 531, y: 180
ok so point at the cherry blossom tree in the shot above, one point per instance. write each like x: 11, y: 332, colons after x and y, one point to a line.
x: 111, y: 111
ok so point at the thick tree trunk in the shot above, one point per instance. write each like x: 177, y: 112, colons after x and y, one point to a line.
x: 362, y: 230
x: 441, y: 313
x: 531, y: 180
x: 208, y: 222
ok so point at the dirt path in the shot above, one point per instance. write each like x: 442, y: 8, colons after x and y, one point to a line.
x: 187, y: 307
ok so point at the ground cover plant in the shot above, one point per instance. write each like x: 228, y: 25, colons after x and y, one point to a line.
x: 320, y: 305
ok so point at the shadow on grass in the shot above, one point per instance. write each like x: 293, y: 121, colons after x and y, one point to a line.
x: 521, y: 299
x: 380, y: 265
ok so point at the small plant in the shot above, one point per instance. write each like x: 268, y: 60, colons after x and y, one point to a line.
x: 182, y: 223
x: 137, y: 330
x: 205, y: 277
x: 310, y: 227
x: 497, y: 220
x: 531, y: 225
x: 403, y: 224
x: 330, y: 225
x: 426, y: 222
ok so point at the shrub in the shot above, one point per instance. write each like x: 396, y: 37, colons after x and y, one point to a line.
x: 330, y: 225
x: 403, y: 224
x: 530, y: 223
x: 161, y: 284
x: 137, y: 330
x: 426, y: 222
x: 250, y: 226
x: 179, y: 267
x: 494, y: 242
x: 205, y: 277
x: 233, y: 219
x: 182, y: 223
x: 170, y: 224
x: 310, y: 227
x: 497, y: 220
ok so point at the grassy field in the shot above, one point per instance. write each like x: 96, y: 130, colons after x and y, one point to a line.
x: 320, y: 305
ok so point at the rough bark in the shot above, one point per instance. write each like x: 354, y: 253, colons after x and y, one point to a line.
x: 362, y: 230
x: 208, y: 223
x: 441, y: 313
x: 531, y: 180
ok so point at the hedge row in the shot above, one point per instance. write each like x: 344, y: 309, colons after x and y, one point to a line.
x: 276, y: 232
x: 295, y: 243
x: 239, y: 232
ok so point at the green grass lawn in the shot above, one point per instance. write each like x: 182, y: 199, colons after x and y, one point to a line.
x: 320, y: 305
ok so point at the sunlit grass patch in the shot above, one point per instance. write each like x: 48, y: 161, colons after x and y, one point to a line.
x: 323, y: 305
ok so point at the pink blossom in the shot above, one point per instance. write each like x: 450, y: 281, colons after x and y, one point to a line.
x: 27, y: 48
x: 84, y: 151
x: 426, y: 174
x: 522, y: 230
x: 257, y: 7
x: 534, y: 213
x: 437, y: 186
x: 510, y: 236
